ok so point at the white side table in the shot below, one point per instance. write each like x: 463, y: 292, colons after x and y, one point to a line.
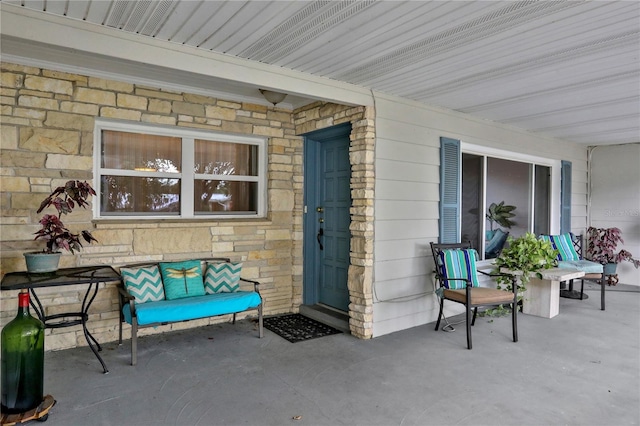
x: 542, y: 296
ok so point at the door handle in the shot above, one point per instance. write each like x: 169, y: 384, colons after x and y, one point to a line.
x: 320, y: 234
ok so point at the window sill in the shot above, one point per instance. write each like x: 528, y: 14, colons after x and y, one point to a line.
x: 154, y: 223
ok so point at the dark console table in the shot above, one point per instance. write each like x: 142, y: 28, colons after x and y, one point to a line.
x: 91, y: 276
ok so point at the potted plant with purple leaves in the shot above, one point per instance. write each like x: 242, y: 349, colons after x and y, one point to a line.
x: 53, y: 231
x: 602, y: 244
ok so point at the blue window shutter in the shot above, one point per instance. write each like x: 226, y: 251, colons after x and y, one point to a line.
x: 450, y: 186
x: 565, y: 197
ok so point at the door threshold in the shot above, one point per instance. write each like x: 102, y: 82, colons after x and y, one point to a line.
x: 327, y: 315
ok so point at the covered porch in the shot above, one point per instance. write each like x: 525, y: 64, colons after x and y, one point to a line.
x: 578, y: 368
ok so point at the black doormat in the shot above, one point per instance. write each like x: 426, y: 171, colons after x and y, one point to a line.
x: 297, y: 328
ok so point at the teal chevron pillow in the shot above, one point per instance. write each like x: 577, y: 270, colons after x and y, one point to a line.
x: 459, y: 263
x: 144, y: 284
x: 182, y: 279
x: 563, y: 243
x: 222, y: 277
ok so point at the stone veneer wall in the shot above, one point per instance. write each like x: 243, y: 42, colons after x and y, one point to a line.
x: 47, y: 123
x: 362, y: 156
x: 47, y: 138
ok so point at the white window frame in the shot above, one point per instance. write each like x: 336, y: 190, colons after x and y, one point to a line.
x: 187, y: 176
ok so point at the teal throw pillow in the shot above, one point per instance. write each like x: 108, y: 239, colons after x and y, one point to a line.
x: 182, y: 279
x: 494, y: 246
x: 563, y: 243
x: 144, y: 284
x: 458, y: 263
x: 222, y: 277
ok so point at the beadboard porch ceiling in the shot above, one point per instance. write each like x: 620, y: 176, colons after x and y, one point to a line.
x: 565, y: 69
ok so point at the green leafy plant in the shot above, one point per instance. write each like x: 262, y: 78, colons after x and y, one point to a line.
x: 527, y: 254
x: 500, y: 214
x: 64, y: 199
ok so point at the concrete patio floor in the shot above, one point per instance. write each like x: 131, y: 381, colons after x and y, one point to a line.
x: 579, y: 368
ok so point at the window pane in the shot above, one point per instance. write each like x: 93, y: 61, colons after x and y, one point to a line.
x: 223, y: 158
x: 128, y: 194
x: 141, y: 152
x: 225, y: 196
x: 510, y: 181
x: 472, y: 199
x: 541, y: 219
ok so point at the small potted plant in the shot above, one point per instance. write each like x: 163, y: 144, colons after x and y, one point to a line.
x: 56, y: 235
x: 601, y: 247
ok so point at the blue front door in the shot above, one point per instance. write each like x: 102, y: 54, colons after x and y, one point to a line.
x: 327, y: 200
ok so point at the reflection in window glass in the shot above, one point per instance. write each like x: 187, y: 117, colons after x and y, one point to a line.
x: 542, y: 207
x: 225, y: 196
x: 472, y: 172
x: 128, y: 194
x: 224, y: 158
x: 141, y: 152
x: 147, y: 171
x: 510, y: 182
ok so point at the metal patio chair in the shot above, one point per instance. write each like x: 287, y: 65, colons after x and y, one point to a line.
x: 457, y: 276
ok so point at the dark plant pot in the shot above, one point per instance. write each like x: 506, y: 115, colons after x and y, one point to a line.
x: 610, y: 268
x: 39, y: 263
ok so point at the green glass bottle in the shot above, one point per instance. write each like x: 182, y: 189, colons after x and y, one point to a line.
x: 22, y: 360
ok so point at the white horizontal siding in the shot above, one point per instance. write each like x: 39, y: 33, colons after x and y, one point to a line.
x: 406, y: 209
x: 404, y: 229
x: 402, y: 249
x: 399, y: 190
x: 616, y: 200
x: 407, y: 200
x: 404, y: 171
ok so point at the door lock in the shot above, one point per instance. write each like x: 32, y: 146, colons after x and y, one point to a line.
x: 320, y: 209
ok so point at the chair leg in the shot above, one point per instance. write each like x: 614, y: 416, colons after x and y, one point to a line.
x: 134, y: 341
x: 469, y: 346
x: 439, y: 314
x: 581, y: 289
x: 602, y: 292
x: 120, y: 330
x: 514, y: 320
x: 475, y: 313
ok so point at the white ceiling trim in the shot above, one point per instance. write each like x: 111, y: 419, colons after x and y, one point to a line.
x: 80, y: 37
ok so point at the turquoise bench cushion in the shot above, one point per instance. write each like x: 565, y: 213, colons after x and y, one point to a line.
x: 195, y: 307
x: 586, y: 266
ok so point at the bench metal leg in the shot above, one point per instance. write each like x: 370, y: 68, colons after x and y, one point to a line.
x: 260, y: 322
x: 120, y: 333
x: 134, y: 341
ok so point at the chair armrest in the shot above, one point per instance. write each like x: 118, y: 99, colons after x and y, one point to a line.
x: 256, y: 284
x: 124, y: 293
x: 467, y: 280
x: 127, y: 298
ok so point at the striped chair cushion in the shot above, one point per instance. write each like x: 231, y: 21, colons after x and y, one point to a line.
x: 222, y: 277
x: 459, y: 264
x: 144, y: 284
x: 563, y: 243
